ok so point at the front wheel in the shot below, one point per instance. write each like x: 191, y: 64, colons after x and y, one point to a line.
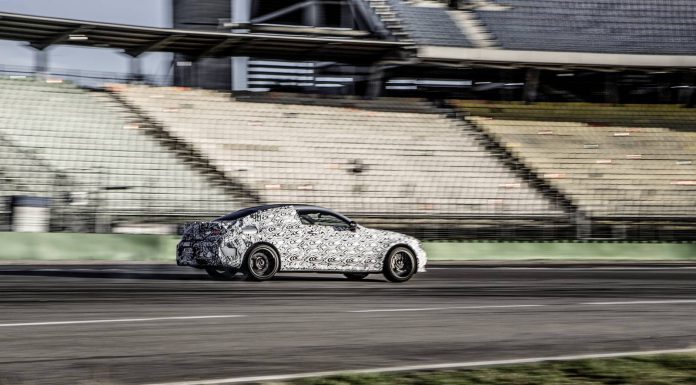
x: 355, y: 276
x: 261, y: 263
x: 399, y: 265
x: 221, y: 273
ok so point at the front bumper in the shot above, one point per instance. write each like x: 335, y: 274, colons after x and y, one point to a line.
x: 422, y: 258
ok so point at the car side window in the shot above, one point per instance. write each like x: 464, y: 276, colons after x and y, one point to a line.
x: 322, y: 219
x: 306, y: 219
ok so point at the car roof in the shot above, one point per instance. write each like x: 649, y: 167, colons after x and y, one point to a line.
x: 250, y: 210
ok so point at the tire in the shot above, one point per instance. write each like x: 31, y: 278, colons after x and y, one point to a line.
x: 262, y: 263
x: 400, y: 264
x: 221, y: 273
x: 355, y: 276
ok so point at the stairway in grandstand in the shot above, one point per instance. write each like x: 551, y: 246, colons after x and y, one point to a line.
x: 381, y: 161
x: 104, y: 157
x: 384, y: 10
x: 608, y: 166
x: 184, y: 150
x: 428, y: 25
x: 435, y: 16
x: 511, y: 160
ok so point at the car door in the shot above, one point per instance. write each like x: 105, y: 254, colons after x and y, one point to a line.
x: 328, y: 241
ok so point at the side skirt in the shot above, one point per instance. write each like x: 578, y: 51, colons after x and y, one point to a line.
x: 331, y: 271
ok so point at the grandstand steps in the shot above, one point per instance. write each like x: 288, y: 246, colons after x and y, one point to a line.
x: 389, y: 17
x: 187, y: 153
x: 474, y: 29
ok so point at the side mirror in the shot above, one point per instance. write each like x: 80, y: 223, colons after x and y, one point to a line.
x: 352, y: 225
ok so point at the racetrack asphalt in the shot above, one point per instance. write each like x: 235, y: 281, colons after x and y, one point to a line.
x: 138, y: 324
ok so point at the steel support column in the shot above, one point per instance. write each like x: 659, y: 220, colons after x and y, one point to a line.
x: 41, y: 61
x: 135, y: 69
x: 241, y: 13
x: 611, y: 88
x: 312, y: 15
x: 531, y: 85
x: 686, y: 93
x: 375, y: 81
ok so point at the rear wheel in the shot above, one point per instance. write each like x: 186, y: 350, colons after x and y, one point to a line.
x: 221, y: 273
x: 261, y: 263
x: 355, y: 276
x: 399, y: 265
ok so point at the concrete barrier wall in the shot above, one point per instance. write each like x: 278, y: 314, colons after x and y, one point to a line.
x: 127, y: 247
x: 559, y: 251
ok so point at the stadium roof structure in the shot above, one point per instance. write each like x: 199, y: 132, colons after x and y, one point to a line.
x: 488, y: 57
x: 436, y: 38
x: 41, y: 32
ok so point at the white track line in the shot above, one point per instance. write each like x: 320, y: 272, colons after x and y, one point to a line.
x: 100, y: 321
x: 598, y: 303
x: 594, y: 268
x: 444, y: 308
x: 649, y: 302
x: 451, y: 365
x: 125, y: 320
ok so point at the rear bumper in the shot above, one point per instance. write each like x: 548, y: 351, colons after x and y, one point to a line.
x: 198, y: 254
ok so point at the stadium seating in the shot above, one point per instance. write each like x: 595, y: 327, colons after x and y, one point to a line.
x: 357, y: 160
x: 601, y: 26
x: 84, y: 150
x: 608, y: 26
x: 607, y: 171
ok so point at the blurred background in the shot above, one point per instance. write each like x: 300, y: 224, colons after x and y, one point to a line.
x: 448, y: 120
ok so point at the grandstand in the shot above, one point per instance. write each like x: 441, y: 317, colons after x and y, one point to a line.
x: 606, y: 26
x: 368, y: 162
x: 88, y: 154
x: 505, y: 163
x: 607, y: 171
x: 356, y: 160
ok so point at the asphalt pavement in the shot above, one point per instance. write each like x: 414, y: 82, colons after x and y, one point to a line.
x: 139, y: 324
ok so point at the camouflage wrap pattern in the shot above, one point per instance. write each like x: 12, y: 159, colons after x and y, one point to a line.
x: 300, y: 247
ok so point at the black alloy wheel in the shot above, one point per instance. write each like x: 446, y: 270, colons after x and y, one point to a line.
x: 400, y: 265
x: 262, y: 263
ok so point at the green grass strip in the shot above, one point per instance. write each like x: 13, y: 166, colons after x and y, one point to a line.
x: 670, y: 369
x: 635, y: 115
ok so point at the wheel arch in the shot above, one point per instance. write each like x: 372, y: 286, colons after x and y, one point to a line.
x: 266, y: 243
x: 399, y: 244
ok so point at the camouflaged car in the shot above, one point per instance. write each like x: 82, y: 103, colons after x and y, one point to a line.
x: 262, y: 241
